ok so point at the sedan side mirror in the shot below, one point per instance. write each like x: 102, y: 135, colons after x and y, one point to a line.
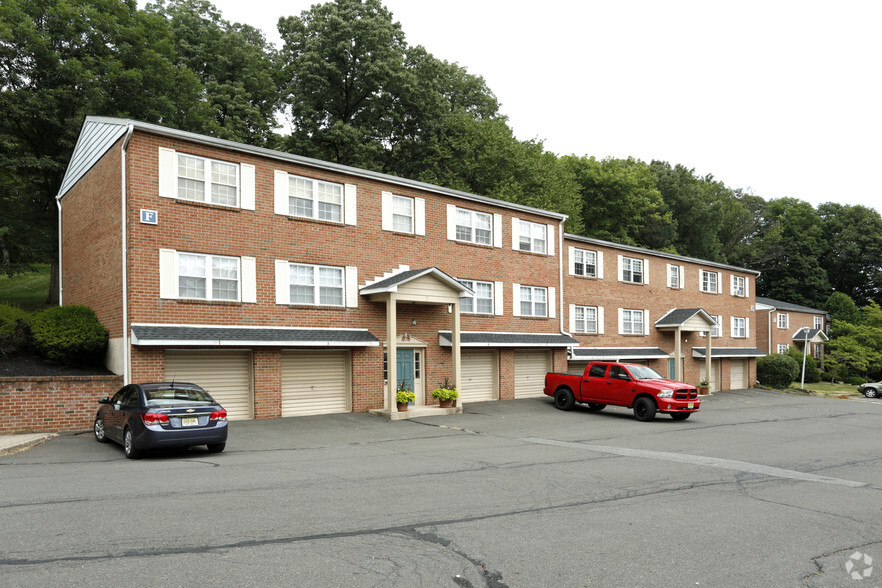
x: 104, y: 400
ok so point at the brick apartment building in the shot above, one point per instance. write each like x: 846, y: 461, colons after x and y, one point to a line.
x: 285, y: 285
x: 782, y: 325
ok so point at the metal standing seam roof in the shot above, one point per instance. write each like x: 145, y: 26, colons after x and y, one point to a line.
x: 616, y: 353
x: 97, y: 132
x: 718, y: 352
x: 146, y: 335
x: 491, y: 339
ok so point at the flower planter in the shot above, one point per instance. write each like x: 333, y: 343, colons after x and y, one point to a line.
x: 703, y: 390
x: 445, y: 403
x: 402, y: 406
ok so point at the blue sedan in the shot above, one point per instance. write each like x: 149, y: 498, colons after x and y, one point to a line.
x: 163, y: 414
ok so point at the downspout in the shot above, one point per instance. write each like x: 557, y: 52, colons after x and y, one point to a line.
x: 60, y: 273
x: 127, y: 360
x: 560, y: 289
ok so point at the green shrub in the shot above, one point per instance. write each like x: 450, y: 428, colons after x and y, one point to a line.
x: 69, y: 335
x: 854, y: 380
x: 13, y: 329
x: 812, y: 373
x: 776, y: 370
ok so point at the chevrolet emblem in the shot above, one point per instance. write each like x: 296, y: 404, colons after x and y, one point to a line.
x: 191, y: 410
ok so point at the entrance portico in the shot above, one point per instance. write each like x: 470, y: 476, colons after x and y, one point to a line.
x: 687, y: 320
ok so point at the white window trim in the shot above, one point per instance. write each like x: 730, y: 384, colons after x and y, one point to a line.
x: 493, y: 291
x: 733, y: 287
x: 168, y: 179
x: 818, y: 322
x: 645, y: 269
x: 783, y: 348
x: 598, y: 262
x: 622, y: 321
x: 495, y: 226
x: 282, y: 198
x: 599, y: 316
x: 283, y: 284
x: 516, y: 237
x: 681, y: 272
x: 733, y: 328
x: 701, y: 281
x: 786, y: 317
x: 549, y: 300
x: 419, y: 214
x: 169, y: 283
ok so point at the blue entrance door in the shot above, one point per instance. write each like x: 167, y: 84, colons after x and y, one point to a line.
x: 404, y: 368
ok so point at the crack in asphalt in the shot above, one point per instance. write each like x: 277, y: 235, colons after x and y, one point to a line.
x: 820, y: 568
x: 492, y: 579
x: 397, y: 529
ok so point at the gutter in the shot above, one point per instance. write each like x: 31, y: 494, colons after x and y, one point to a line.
x: 127, y: 355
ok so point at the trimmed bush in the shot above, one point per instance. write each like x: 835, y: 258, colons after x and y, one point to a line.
x: 69, y: 335
x: 812, y: 373
x: 776, y: 370
x: 13, y: 329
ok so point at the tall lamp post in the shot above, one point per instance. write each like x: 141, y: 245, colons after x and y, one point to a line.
x: 804, y: 353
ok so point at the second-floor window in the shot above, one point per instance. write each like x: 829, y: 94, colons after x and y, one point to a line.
x: 309, y: 198
x: 783, y: 348
x: 482, y: 301
x: 585, y: 319
x: 632, y: 322
x: 208, y: 277
x: 819, y: 323
x: 739, y: 327
x: 534, y: 301
x: 783, y: 320
x: 739, y: 286
x: 317, y: 285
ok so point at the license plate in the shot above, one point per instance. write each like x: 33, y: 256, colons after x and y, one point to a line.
x: 690, y: 405
x: 190, y: 422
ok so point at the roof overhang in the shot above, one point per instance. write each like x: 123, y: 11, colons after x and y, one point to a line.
x: 216, y: 336
x: 718, y: 352
x: 813, y: 336
x: 616, y: 353
x: 485, y: 339
x: 394, y: 282
x: 687, y: 319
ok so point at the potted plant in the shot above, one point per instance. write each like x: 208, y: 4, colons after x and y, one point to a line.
x: 445, y: 394
x: 404, y: 396
x: 702, y: 387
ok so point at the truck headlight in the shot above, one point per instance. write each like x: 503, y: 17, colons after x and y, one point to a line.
x: 666, y: 394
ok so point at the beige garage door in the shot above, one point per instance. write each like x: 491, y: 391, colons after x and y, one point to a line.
x: 225, y: 374
x: 738, y: 373
x: 530, y: 368
x: 315, y: 382
x: 714, y: 382
x: 478, y: 374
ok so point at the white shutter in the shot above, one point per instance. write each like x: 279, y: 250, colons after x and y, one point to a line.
x: 645, y: 321
x: 600, y: 265
x: 572, y: 318
x: 621, y: 321
x: 571, y: 260
x: 350, y: 204
x: 451, y: 222
x: 246, y: 178
x: 621, y: 274
x: 668, y: 272
x: 746, y: 286
x: 249, y: 279
x: 387, y: 211
x: 516, y: 299
x: 731, y: 327
x: 168, y: 174
x: 351, y: 286
x: 283, y: 284
x: 515, y: 228
x: 497, y: 230
x: 682, y: 277
x: 732, y: 285
x: 600, y: 319
x: 168, y: 274
x: 719, y: 282
x: 747, y: 326
x: 646, y: 271
x: 551, y: 305
x: 497, y: 298
x: 419, y: 216
x: 549, y: 237
x: 280, y: 193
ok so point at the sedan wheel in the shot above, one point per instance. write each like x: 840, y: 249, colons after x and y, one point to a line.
x: 100, y: 433
x: 870, y: 392
x: 129, y: 445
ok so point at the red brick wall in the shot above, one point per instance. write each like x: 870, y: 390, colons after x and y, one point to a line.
x: 41, y: 404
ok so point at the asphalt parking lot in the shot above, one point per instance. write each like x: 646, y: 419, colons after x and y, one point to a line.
x: 758, y: 489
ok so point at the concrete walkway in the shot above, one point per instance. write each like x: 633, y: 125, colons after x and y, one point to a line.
x: 12, y: 443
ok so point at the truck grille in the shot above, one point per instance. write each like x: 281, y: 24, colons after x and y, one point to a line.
x: 685, y: 394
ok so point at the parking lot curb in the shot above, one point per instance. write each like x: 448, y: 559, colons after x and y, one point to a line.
x: 15, y: 443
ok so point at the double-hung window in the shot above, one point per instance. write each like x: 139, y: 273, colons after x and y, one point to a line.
x: 482, y: 301
x: 534, y: 301
x: 316, y: 199
x: 474, y: 227
x: 783, y: 348
x: 739, y: 327
x: 675, y: 277
x: 402, y: 214
x: 585, y: 319
x: 585, y: 263
x: 208, y: 277
x: 819, y: 323
x: 739, y: 286
x: 206, y: 180
x: 316, y: 285
x: 783, y: 320
x: 632, y: 270
x: 718, y: 320
x: 531, y: 237
x: 632, y: 322
x: 710, y: 282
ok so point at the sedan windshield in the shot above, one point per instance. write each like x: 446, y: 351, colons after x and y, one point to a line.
x: 641, y: 372
x: 177, y: 397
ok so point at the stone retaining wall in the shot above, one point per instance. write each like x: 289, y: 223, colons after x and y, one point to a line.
x: 52, y: 404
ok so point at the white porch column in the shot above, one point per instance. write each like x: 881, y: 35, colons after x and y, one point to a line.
x: 678, y: 343
x: 707, y: 360
x: 391, y: 353
x: 454, y: 335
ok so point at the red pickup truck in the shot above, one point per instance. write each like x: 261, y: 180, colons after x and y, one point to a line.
x: 623, y: 384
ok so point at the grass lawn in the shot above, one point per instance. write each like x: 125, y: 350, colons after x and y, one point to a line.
x: 26, y: 291
x: 828, y: 389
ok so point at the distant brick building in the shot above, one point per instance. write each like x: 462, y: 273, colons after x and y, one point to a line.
x: 782, y: 325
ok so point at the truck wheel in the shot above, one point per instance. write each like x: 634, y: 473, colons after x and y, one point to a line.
x: 595, y: 406
x: 563, y: 399
x: 644, y: 409
x: 680, y: 416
